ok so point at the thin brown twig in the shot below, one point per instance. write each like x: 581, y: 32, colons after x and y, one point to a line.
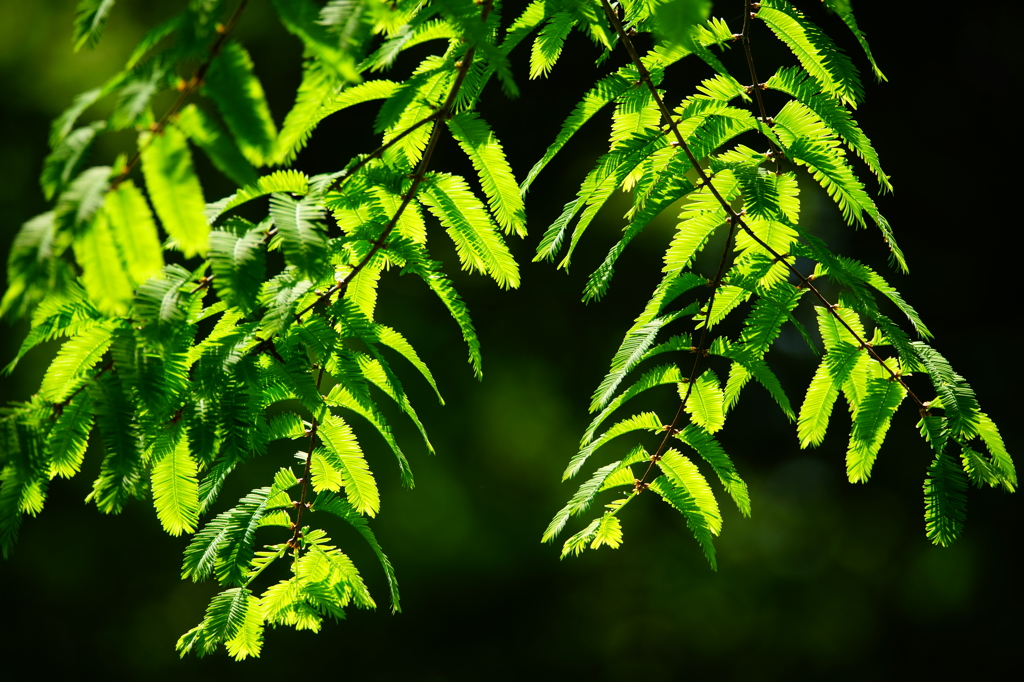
x: 302, y: 505
x: 376, y: 153
x: 735, y: 219
x: 190, y: 86
x: 756, y: 87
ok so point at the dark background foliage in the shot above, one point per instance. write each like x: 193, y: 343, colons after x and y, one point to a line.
x: 827, y: 578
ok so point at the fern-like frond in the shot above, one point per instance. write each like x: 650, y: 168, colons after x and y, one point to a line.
x: 76, y: 357
x: 67, y: 158
x: 657, y: 376
x: 174, y: 189
x: 291, y: 181
x: 77, y: 205
x: 705, y: 401
x: 299, y: 223
x: 603, y: 92
x: 67, y: 440
x: 844, y: 9
x: 207, y: 134
x: 1000, y: 457
x: 225, y: 544
x: 496, y: 178
x: 684, y: 474
x: 870, y: 425
x: 90, y: 19
x: 348, y: 460
x: 547, y: 46
x: 945, y: 500
x: 829, y: 65
x: 238, y: 262
x: 958, y: 399
x: 431, y: 273
x: 342, y: 509
x: 712, y: 452
x: 816, y: 411
x: 477, y: 241
x: 696, y: 520
x: 583, y: 497
x: 645, y: 421
x: 698, y: 220
x: 234, y: 88
x: 797, y: 84
x: 176, y: 487
x: 123, y: 466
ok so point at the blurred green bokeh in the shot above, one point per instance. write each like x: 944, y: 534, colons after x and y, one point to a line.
x: 826, y: 580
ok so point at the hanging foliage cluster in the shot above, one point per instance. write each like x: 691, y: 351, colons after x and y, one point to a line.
x: 198, y: 330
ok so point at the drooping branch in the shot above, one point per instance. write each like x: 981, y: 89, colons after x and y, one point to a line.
x: 735, y: 218
x: 441, y: 114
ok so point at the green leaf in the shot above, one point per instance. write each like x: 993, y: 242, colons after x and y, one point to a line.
x: 696, y: 520
x: 580, y: 502
x: 248, y: 638
x: 208, y: 135
x: 75, y: 358
x: 845, y: 11
x: 34, y: 266
x: 69, y: 437
x: 547, y: 46
x: 1000, y: 457
x: 958, y: 399
x: 174, y: 189
x: 345, y: 457
x: 832, y: 373
x: 90, y: 18
x: 279, y: 181
x: 608, y: 532
x: 685, y: 475
x: 945, y: 500
x: 477, y: 242
x: 496, y: 178
x: 67, y: 157
x: 599, y: 96
x: 176, y: 488
x: 657, y: 376
x: 225, y: 544
x: 829, y: 65
x: 77, y: 205
x: 648, y: 421
x: 134, y: 232
x: 796, y: 83
x: 302, y: 232
x: 711, y: 452
x: 238, y: 262
x: 870, y: 425
x: 239, y: 97
x: 121, y: 473
x: 704, y: 403
x: 342, y: 509
x: 160, y: 303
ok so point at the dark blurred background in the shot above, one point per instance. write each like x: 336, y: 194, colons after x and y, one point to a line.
x: 827, y: 578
